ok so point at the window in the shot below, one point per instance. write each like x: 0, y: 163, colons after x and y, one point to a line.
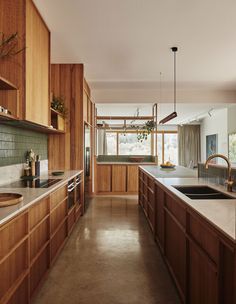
x: 171, y: 147
x: 129, y: 145
x: 118, y: 143
x: 111, y: 138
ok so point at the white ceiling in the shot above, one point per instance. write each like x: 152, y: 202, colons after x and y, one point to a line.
x: 125, y: 44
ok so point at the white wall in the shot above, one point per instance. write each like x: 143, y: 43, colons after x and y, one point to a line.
x: 232, y: 119
x: 216, y: 124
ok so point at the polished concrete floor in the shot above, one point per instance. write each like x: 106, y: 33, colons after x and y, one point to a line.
x: 110, y: 258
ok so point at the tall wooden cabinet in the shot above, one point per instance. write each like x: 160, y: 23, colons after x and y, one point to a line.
x: 66, y: 151
x: 28, y: 70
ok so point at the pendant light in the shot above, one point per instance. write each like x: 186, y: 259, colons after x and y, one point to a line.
x: 174, y: 113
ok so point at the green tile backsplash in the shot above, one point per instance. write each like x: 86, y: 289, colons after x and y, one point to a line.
x: 14, y: 143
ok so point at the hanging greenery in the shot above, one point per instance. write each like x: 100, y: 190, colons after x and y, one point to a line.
x: 9, y: 45
x: 58, y: 104
x: 143, y: 130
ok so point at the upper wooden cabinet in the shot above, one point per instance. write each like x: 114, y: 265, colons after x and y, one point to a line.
x: 29, y: 70
x: 37, y: 67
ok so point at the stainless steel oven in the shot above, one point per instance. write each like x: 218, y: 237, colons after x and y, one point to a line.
x: 78, y: 181
x: 71, y: 193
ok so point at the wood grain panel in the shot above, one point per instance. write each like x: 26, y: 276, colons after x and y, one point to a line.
x: 37, y: 67
x: 202, y: 278
x: 118, y: 178
x: 160, y: 197
x: 177, y: 209
x: 12, y: 233
x: 58, y: 196
x: 132, y: 178
x: 58, y: 215
x: 175, y: 251
x: 205, y: 237
x: 38, y: 238
x: 13, y: 267
x: 20, y: 296
x: 38, y: 212
x: 104, y: 178
x: 38, y: 270
x: 11, y: 21
x: 58, y: 240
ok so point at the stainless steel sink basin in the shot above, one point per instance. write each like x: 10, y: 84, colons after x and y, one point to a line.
x: 202, y: 193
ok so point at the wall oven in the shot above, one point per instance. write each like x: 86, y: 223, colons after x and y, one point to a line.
x: 71, y: 193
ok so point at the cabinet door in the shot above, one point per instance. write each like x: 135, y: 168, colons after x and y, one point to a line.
x: 103, y: 178
x: 175, y: 251
x: 37, y: 67
x: 132, y: 178
x: 202, y: 278
x: 160, y: 196
x: 118, y: 178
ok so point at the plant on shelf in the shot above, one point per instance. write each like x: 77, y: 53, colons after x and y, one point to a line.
x: 9, y: 45
x: 143, y: 130
x: 58, y: 104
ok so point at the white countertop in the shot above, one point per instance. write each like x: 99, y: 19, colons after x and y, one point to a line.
x: 32, y: 195
x: 178, y: 171
x: 126, y: 163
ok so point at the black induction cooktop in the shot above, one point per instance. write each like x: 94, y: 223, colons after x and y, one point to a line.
x: 36, y: 183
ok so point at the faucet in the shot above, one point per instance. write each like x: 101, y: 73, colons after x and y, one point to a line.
x: 229, y: 181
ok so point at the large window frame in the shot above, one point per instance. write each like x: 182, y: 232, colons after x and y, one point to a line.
x: 151, y: 143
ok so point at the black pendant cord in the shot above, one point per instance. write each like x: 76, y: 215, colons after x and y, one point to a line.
x: 174, y: 81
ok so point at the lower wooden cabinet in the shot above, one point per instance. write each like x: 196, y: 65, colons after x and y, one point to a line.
x: 201, y: 259
x: 104, y: 178
x: 30, y: 243
x: 115, y: 178
x: 202, y: 277
x: 119, y: 178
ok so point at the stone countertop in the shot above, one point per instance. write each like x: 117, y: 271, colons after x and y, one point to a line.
x: 32, y: 195
x: 178, y: 171
x: 220, y: 213
x: 126, y: 163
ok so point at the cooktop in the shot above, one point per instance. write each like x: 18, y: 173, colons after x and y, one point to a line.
x: 36, y: 183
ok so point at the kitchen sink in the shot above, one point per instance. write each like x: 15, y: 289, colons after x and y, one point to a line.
x: 202, y: 193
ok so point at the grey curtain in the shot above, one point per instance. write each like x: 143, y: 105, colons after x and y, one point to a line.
x: 189, y: 145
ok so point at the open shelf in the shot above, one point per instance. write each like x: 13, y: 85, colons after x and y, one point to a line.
x: 6, y: 85
x: 58, y: 120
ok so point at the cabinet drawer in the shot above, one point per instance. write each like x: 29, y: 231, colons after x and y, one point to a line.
x: 151, y: 198
x: 37, y: 212
x: 203, y: 236
x: 58, y: 196
x: 71, y: 219
x: 151, y: 183
x: 13, y: 268
x: 39, y: 238
x: 38, y: 269
x: 58, y: 240
x: 177, y: 209
x: 58, y: 215
x: 12, y: 233
x: 20, y: 296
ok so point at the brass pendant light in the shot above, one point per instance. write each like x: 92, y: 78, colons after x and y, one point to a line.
x: 174, y: 113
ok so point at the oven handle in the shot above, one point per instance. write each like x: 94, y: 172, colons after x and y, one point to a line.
x: 78, y: 183
x: 71, y: 189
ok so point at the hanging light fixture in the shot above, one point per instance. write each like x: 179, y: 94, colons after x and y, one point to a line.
x: 174, y: 113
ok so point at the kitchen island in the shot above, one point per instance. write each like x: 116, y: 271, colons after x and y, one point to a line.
x: 196, y: 237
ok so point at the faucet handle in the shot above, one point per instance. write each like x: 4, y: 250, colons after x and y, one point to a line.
x: 229, y: 184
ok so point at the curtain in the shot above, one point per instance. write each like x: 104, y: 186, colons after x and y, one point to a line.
x: 102, y: 142
x: 189, y: 145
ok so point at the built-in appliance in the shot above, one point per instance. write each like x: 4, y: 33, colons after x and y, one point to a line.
x: 36, y: 183
x: 71, y: 193
x: 77, y: 189
x: 87, y: 162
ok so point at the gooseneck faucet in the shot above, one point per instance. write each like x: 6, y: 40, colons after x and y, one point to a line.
x: 229, y: 181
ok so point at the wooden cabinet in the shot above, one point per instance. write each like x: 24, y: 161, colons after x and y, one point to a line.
x: 132, y: 178
x: 202, y: 277
x: 104, y: 178
x: 37, y: 68
x: 118, y: 178
x: 200, y: 258
x: 30, y: 244
x: 30, y: 69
